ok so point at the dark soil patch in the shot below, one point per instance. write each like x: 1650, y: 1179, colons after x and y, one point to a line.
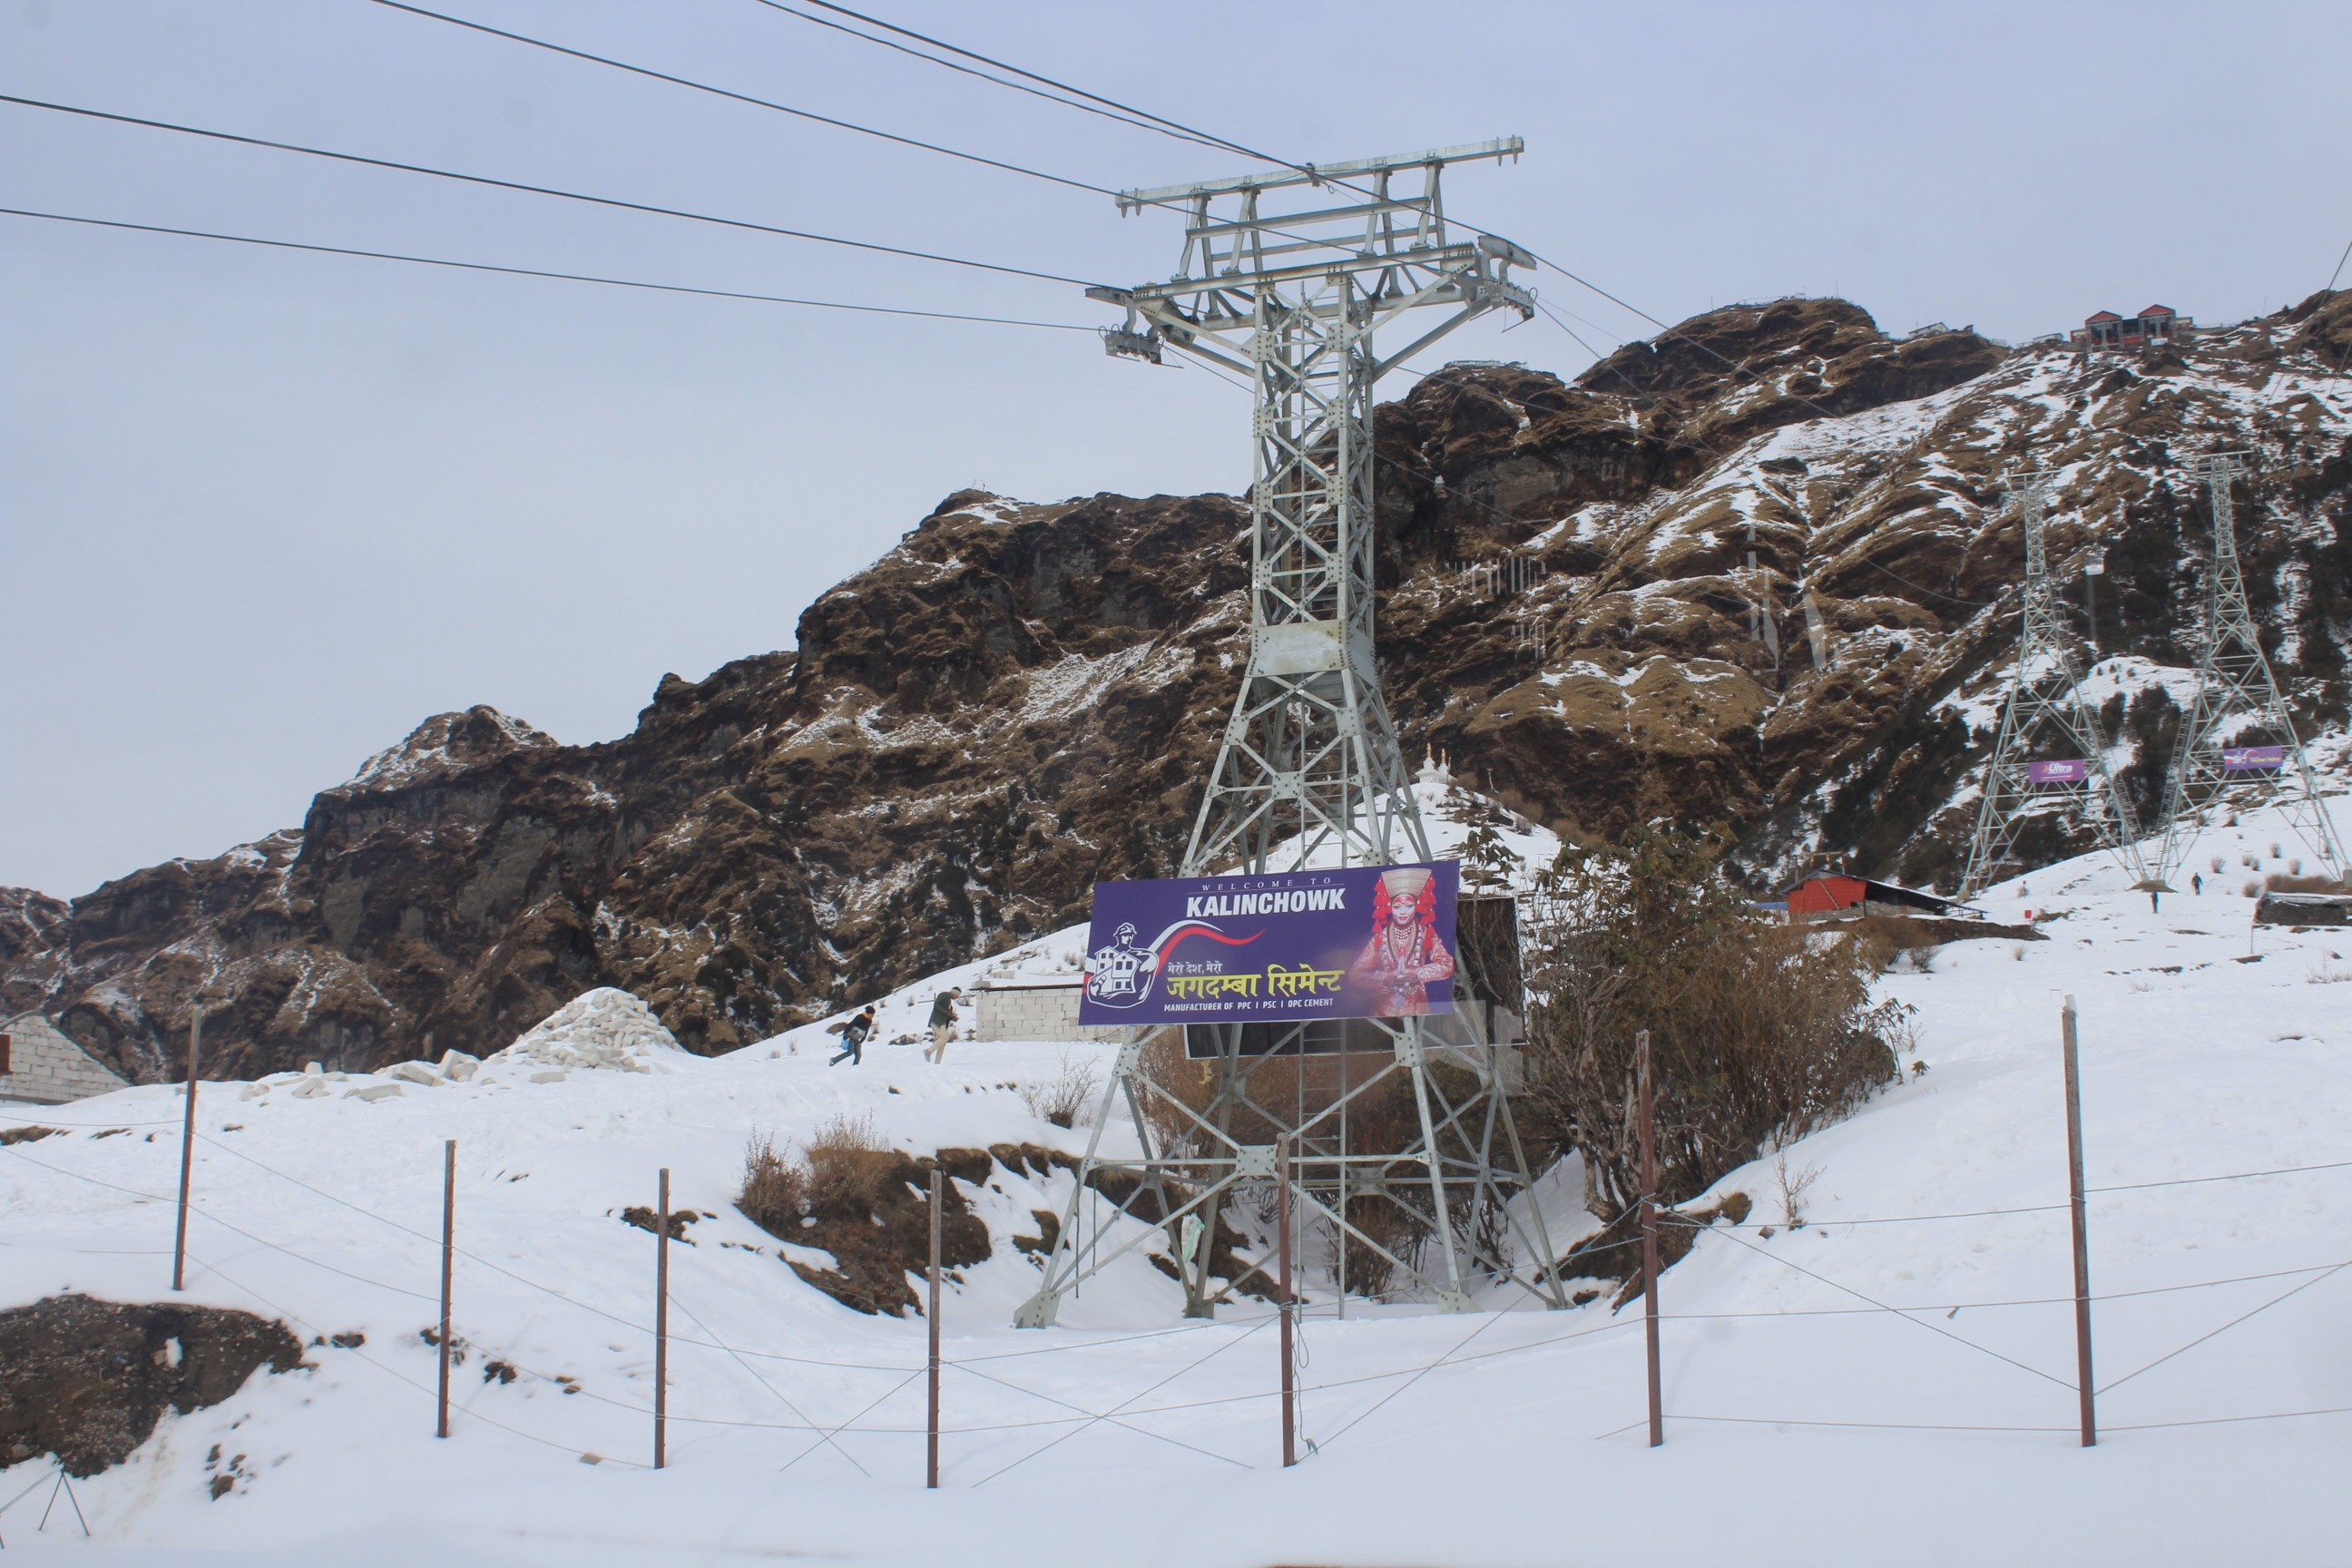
x: 879, y: 1229
x: 86, y: 1380
x: 26, y: 1134
x: 646, y: 1220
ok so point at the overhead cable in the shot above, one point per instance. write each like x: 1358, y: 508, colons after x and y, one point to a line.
x: 866, y: 245
x: 539, y: 272
x: 743, y: 96
x: 967, y: 71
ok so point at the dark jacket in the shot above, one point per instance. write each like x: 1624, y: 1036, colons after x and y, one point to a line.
x: 943, y: 1011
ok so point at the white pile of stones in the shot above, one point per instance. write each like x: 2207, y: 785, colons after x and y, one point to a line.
x: 605, y: 1028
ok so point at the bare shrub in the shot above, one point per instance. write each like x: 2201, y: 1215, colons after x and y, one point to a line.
x: 1189, y: 1083
x: 848, y: 1164
x: 2287, y: 882
x: 775, y: 1187
x: 1061, y: 1099
x: 1759, y: 1031
x: 1793, y: 1187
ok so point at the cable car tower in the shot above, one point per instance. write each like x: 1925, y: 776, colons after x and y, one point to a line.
x: 2238, y: 700
x: 2045, y: 706
x: 1308, y: 774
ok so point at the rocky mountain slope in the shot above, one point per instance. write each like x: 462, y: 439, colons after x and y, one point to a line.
x: 1019, y: 699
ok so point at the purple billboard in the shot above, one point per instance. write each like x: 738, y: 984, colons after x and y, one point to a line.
x: 2252, y: 759
x: 2061, y: 771
x: 1362, y: 942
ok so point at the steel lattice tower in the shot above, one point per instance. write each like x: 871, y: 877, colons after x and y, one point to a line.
x: 1308, y: 773
x: 2045, y: 705
x: 2237, y: 696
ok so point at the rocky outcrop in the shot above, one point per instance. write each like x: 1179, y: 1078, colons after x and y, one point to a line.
x: 86, y: 1380
x: 1019, y: 699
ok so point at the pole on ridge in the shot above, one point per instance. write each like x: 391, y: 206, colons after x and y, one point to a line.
x: 449, y: 1245
x: 1289, y: 1356
x: 2075, y: 1204
x: 187, y: 1153
x: 661, y: 1326
x: 1650, y: 1235
x: 932, y: 1466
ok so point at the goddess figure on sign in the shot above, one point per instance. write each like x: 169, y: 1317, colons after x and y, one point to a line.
x: 1405, y: 954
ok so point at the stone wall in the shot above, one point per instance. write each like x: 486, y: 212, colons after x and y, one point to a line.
x: 46, y: 1068
x: 1047, y: 1013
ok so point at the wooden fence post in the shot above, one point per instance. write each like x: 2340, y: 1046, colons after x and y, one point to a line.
x: 1650, y: 1235
x: 448, y: 1245
x: 187, y: 1153
x: 2074, y: 1202
x: 931, y: 1465
x: 661, y: 1326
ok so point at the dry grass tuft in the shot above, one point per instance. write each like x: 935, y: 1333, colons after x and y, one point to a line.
x: 775, y: 1187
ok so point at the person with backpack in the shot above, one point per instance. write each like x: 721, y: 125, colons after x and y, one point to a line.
x: 853, y: 1033
x: 943, y: 1018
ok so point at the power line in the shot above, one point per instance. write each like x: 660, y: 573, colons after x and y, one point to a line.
x: 743, y: 97
x: 866, y: 245
x: 537, y: 272
x: 967, y: 71
x: 1164, y: 125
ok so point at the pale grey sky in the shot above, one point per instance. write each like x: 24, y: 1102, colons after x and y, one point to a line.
x: 262, y: 512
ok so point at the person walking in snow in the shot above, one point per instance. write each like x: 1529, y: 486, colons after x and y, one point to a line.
x: 2197, y: 883
x: 943, y: 1018
x: 853, y: 1033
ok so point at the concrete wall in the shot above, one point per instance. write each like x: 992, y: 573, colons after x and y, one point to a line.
x: 1047, y: 1013
x: 46, y: 1068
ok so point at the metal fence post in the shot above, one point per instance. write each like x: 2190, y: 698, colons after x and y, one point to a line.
x: 1650, y: 1235
x: 448, y: 1245
x: 187, y: 1153
x: 931, y: 1467
x: 1289, y: 1355
x: 661, y: 1328
x: 2082, y: 1230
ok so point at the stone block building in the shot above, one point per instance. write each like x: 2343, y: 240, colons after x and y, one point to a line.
x: 38, y: 1064
x: 1045, y: 1010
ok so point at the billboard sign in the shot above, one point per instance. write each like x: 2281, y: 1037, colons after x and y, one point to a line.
x: 1358, y: 942
x: 2065, y: 770
x: 2252, y: 759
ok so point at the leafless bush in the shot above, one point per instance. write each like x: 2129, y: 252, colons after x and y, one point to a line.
x: 2287, y: 882
x: 775, y: 1187
x: 1759, y: 1031
x: 848, y: 1164
x: 1189, y: 1083
x: 1061, y: 1099
x: 1793, y: 1187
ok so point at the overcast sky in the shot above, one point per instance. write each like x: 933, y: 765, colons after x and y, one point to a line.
x: 262, y: 512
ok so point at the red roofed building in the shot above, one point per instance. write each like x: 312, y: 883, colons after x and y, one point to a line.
x: 1832, y: 896
x: 2155, y: 325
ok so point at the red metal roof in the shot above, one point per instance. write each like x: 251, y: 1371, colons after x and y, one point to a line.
x: 2102, y: 316
x: 2159, y: 311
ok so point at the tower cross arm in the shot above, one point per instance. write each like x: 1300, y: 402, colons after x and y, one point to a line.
x: 1321, y: 173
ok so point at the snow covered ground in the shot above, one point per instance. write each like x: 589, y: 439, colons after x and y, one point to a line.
x: 1806, y: 1424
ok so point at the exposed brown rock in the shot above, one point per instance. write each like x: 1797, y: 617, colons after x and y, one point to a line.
x: 1019, y: 699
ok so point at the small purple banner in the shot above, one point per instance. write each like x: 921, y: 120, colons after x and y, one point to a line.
x: 2252, y: 759
x: 1362, y: 941
x: 2073, y: 770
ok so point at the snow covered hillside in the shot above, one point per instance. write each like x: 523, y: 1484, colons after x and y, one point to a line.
x: 1888, y: 1381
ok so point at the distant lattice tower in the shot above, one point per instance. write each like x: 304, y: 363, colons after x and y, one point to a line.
x: 1309, y: 772
x: 2238, y: 746
x: 2044, y: 709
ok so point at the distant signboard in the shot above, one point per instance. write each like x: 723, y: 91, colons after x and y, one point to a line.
x: 2069, y: 770
x: 1362, y: 941
x: 2252, y: 759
